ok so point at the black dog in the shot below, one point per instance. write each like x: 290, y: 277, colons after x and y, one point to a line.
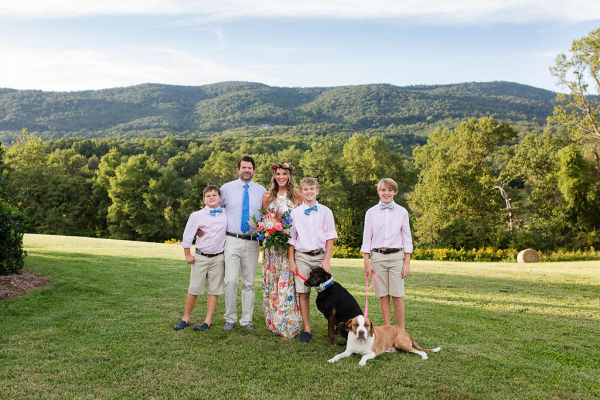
x: 334, y: 302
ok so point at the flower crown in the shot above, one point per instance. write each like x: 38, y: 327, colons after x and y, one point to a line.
x: 283, y: 165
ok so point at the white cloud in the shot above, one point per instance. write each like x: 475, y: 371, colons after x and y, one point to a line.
x: 71, y: 70
x: 450, y: 12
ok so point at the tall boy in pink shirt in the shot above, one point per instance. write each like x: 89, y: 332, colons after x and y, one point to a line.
x: 208, y: 262
x: 387, y: 240
x: 311, y: 244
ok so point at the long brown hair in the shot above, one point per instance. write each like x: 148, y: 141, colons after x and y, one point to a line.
x: 291, y: 191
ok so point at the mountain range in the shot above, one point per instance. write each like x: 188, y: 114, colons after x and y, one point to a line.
x: 156, y: 110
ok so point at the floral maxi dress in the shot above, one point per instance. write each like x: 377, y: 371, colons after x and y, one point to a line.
x: 280, y: 302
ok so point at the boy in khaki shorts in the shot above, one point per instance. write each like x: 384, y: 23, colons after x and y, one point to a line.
x: 208, y: 262
x: 311, y: 244
x: 388, y: 241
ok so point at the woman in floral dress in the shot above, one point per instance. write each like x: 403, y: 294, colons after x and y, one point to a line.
x: 280, y: 303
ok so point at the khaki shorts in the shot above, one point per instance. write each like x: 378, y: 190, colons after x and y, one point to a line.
x: 388, y: 274
x: 211, y: 269
x: 305, y: 263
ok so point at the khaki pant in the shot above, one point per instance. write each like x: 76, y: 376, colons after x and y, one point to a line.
x: 241, y: 255
x: 388, y: 274
x: 305, y: 263
x: 207, y: 269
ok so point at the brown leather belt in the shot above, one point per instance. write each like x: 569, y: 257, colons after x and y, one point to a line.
x: 386, y: 251
x: 207, y: 255
x: 235, y: 235
x: 313, y: 252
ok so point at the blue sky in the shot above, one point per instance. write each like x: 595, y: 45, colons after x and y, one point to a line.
x: 85, y: 44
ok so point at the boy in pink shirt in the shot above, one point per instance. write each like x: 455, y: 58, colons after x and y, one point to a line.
x: 311, y: 244
x: 388, y: 242
x: 208, y: 264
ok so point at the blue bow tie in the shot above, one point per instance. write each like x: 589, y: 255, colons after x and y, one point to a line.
x: 384, y: 206
x: 215, y: 211
x: 309, y: 209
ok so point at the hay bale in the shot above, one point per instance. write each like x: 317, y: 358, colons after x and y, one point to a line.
x: 528, y: 256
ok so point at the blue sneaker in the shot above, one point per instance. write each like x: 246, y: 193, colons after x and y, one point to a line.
x: 305, y: 337
x: 181, y: 325
x: 249, y: 327
x: 229, y: 326
x: 203, y: 327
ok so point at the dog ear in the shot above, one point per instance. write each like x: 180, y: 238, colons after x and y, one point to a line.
x: 349, y: 324
x: 369, y: 326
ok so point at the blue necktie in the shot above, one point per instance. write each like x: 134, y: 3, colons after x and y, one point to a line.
x: 245, y: 209
x: 309, y: 209
x: 384, y: 206
x: 215, y: 211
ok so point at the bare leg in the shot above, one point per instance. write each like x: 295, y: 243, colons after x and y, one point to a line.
x: 305, y: 310
x: 386, y: 310
x: 211, y: 306
x: 399, y: 310
x: 190, y: 302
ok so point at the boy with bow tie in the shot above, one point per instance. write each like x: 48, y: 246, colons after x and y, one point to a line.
x: 388, y: 241
x: 208, y: 262
x: 311, y: 244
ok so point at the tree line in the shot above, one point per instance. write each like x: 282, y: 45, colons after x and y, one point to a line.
x: 474, y: 186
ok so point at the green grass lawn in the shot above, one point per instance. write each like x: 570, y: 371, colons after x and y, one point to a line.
x: 103, y: 328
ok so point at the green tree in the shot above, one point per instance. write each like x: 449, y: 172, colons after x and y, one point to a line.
x: 100, y: 200
x: 128, y: 215
x: 453, y: 200
x: 562, y: 208
x: 164, y: 201
x: 28, y: 151
x: 579, y: 109
x: 220, y: 167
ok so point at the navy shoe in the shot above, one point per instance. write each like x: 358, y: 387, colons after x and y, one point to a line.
x: 249, y: 327
x: 305, y: 337
x: 203, y: 327
x: 181, y: 325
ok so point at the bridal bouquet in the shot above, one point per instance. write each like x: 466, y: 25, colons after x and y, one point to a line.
x: 272, y: 229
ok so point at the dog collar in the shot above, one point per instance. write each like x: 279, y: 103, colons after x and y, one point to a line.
x: 324, y: 285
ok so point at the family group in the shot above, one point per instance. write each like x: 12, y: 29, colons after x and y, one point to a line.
x: 225, y: 248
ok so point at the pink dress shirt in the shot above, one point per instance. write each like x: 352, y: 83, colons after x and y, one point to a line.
x: 387, y: 229
x: 311, y: 232
x: 214, y: 228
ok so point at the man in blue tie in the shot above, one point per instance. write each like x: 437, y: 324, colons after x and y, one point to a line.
x: 242, y: 199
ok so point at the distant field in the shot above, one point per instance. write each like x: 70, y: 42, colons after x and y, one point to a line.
x: 104, y: 329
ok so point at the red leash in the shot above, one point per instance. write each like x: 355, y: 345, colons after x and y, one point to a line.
x: 367, y: 294
x: 301, y: 277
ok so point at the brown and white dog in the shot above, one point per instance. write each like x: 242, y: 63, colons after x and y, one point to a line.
x: 370, y: 341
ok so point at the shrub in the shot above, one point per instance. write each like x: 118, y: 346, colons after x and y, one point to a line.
x: 12, y: 226
x: 479, y: 255
x: 346, y: 252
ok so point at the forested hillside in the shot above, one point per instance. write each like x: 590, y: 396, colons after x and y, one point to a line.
x: 254, y: 109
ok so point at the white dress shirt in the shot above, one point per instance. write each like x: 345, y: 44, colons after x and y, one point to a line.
x: 311, y: 232
x: 214, y: 228
x: 387, y: 229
